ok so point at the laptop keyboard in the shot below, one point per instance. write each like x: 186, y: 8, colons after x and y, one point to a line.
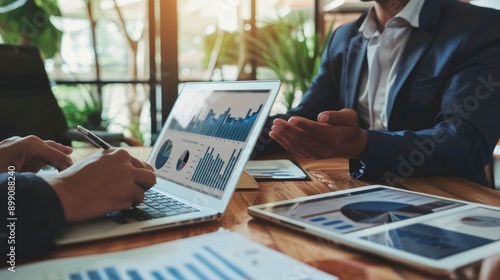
x: 155, y: 205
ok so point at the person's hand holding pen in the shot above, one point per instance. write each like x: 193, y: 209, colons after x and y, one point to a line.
x: 104, y: 182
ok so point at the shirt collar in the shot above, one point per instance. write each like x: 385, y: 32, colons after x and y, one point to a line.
x: 370, y: 25
x: 410, y: 14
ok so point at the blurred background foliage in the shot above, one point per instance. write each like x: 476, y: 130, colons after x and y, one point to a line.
x: 28, y: 23
x: 292, y: 52
x: 80, y: 106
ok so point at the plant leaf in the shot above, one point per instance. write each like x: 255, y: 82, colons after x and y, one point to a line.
x: 30, y: 25
x: 285, y: 48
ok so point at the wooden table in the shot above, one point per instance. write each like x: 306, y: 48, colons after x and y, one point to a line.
x: 327, y: 175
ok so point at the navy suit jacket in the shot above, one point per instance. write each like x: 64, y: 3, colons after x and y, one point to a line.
x: 444, y: 108
x: 38, y: 216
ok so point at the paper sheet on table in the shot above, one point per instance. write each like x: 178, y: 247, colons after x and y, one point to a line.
x: 279, y: 169
x: 218, y: 255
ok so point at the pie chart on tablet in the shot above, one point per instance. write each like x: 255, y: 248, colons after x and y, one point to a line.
x: 375, y: 212
x: 481, y: 221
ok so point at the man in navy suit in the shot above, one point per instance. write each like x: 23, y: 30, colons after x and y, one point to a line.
x: 411, y: 88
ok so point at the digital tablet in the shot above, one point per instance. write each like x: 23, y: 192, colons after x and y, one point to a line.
x: 432, y: 233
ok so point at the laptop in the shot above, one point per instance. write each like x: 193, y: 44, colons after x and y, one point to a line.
x: 198, y: 159
x: 435, y: 234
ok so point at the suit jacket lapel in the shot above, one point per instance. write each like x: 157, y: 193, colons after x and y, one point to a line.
x: 356, y: 56
x: 417, y: 45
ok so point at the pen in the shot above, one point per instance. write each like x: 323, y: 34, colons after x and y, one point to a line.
x: 98, y: 142
x: 261, y: 176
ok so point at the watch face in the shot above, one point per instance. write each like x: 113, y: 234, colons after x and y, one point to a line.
x: 481, y: 221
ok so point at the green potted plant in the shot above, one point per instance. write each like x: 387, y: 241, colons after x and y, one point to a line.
x: 27, y: 23
x: 80, y: 106
x: 290, y: 53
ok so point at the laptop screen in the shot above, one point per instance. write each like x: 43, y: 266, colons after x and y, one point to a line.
x: 206, y: 136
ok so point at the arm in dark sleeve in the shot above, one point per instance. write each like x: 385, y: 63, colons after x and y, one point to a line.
x: 37, y: 216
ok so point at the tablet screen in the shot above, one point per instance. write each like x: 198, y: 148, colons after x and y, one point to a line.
x: 444, y: 236
x: 363, y: 209
x: 429, y: 232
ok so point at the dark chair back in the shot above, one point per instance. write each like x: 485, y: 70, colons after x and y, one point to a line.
x: 27, y: 104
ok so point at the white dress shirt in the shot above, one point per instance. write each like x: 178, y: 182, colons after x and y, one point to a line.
x: 384, y: 53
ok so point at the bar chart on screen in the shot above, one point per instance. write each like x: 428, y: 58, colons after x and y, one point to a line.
x: 213, y: 171
x: 224, y: 125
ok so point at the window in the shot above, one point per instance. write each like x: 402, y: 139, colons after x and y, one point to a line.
x: 105, y: 66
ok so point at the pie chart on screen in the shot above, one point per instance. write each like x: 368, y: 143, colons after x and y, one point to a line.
x: 182, y: 160
x: 481, y: 221
x: 374, y: 212
x: 164, y: 154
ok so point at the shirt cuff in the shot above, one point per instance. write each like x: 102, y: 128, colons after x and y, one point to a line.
x: 356, y: 168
